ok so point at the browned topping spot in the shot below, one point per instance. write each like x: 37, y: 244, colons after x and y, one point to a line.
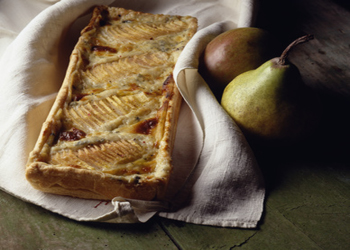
x: 167, y: 80
x: 147, y: 169
x: 103, y: 48
x: 75, y: 166
x: 133, y: 86
x: 78, y: 97
x: 104, y: 18
x: 168, y: 87
x: 72, y: 135
x: 146, y: 126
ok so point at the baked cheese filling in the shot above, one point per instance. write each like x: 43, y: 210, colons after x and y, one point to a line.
x: 117, y: 110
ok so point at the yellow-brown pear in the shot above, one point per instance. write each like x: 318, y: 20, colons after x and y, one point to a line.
x: 271, y: 104
x: 234, y: 52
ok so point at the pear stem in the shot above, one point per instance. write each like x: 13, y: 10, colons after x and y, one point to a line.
x: 284, y: 55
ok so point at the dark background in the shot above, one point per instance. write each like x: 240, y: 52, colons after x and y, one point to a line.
x: 324, y: 65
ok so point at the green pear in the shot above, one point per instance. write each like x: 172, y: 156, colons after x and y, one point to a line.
x: 271, y: 104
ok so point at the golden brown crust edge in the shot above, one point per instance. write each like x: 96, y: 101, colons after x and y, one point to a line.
x: 82, y: 183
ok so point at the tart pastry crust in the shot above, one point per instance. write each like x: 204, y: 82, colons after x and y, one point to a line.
x: 112, y: 127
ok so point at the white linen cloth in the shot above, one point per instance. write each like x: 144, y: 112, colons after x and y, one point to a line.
x: 216, y: 179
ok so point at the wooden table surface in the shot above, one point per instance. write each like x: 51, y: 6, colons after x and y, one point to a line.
x: 308, y: 185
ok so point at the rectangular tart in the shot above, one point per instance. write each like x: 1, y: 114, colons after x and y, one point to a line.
x: 111, y: 130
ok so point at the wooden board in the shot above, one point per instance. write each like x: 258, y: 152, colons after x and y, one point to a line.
x: 308, y: 185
